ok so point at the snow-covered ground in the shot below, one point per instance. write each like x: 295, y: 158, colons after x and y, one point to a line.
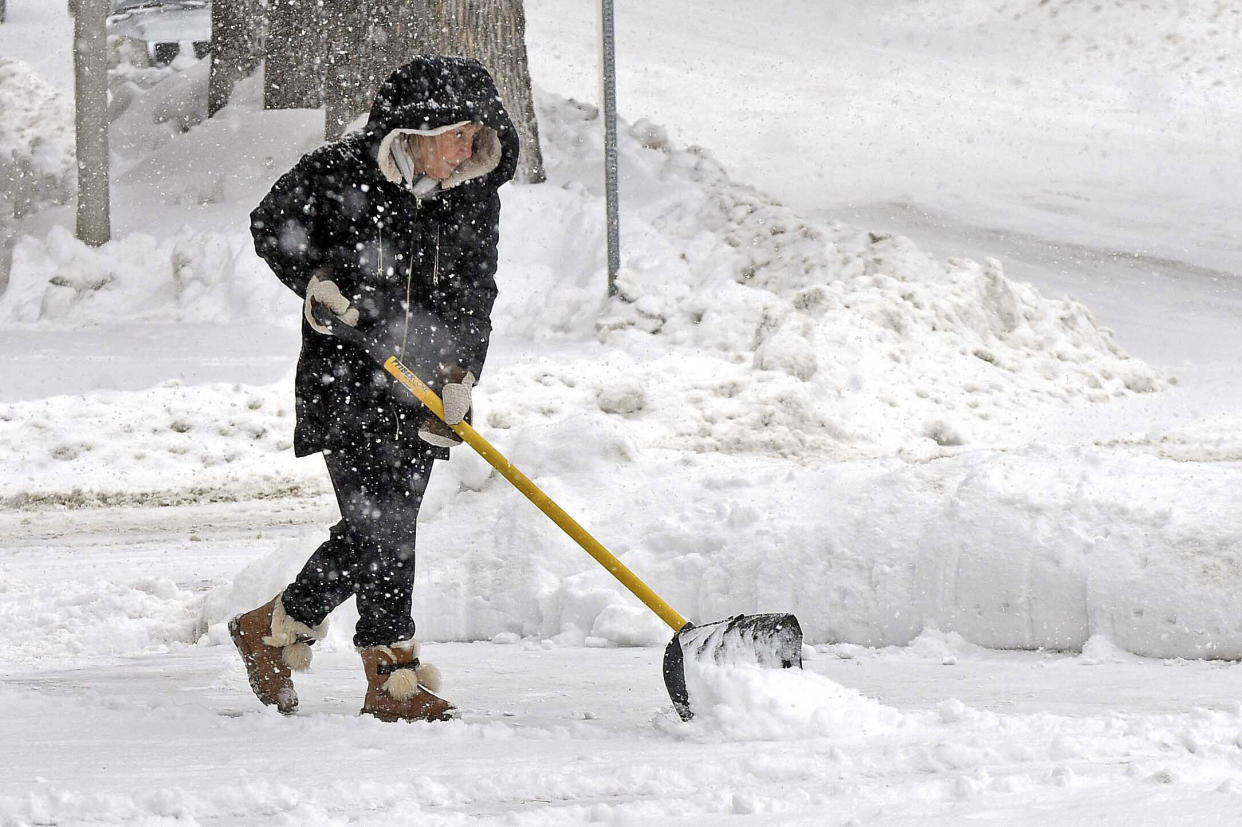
x: 935, y: 344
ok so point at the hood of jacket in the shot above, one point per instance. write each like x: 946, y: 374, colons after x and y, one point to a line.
x: 430, y: 95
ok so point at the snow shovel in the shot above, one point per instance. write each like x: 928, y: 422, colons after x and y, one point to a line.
x: 768, y: 640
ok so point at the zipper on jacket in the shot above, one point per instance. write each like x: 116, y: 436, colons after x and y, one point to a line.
x: 392, y: 387
x: 405, y: 334
x: 435, y: 266
x: 409, y: 282
x: 409, y: 285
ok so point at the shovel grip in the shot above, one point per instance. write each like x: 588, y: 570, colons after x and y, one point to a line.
x: 536, y: 495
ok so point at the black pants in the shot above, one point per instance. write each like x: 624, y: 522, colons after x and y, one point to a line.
x: 370, y: 553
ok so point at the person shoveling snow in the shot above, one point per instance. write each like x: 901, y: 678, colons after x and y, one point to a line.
x: 424, y: 314
x: 394, y: 228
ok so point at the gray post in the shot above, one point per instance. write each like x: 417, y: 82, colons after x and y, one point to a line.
x: 90, y: 86
x: 610, y: 148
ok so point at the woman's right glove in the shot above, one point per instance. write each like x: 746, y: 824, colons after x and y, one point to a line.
x: 322, y: 292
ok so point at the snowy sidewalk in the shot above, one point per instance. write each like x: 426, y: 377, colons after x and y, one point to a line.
x: 570, y: 736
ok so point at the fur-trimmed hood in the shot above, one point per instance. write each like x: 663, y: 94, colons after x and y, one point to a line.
x: 430, y: 95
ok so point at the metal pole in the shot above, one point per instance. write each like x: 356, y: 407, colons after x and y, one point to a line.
x: 610, y: 147
x: 90, y: 86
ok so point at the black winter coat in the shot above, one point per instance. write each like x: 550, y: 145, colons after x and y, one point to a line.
x: 420, y: 272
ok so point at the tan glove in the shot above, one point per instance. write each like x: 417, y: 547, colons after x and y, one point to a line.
x: 456, y: 396
x: 322, y: 292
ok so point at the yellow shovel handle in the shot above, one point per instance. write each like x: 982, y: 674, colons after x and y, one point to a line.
x: 533, y: 493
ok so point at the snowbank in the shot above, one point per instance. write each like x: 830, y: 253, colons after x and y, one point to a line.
x: 770, y: 333
x: 150, y: 107
x: 152, y: 447
x: 203, y: 276
x: 1039, y: 547
x: 60, y: 621
x: 1034, y: 549
x: 36, y: 142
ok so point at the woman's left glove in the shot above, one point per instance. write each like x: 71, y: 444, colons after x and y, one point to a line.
x: 456, y: 396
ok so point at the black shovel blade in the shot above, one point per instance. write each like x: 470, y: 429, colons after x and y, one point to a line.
x: 771, y: 641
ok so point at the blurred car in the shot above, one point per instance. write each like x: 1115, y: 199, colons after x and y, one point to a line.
x: 161, y: 28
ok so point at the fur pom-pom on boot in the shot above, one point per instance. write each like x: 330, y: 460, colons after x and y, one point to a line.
x: 400, y: 687
x: 297, y: 656
x: 272, y: 644
x: 293, y: 638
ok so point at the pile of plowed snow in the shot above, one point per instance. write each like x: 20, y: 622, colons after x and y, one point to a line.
x: 36, y: 142
x: 739, y: 326
x: 165, y: 445
x: 743, y: 336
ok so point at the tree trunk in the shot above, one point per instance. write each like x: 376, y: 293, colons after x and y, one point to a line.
x: 494, y: 33
x: 296, y: 42
x: 371, y: 38
x: 342, y: 64
x: 90, y: 76
x: 236, y: 48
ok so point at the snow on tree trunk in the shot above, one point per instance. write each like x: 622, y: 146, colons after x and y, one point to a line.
x: 236, y: 47
x: 90, y: 70
x: 297, y: 38
x: 494, y: 33
x: 371, y: 38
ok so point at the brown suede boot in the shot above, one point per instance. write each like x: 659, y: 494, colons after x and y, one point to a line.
x: 400, y: 687
x: 271, y: 645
